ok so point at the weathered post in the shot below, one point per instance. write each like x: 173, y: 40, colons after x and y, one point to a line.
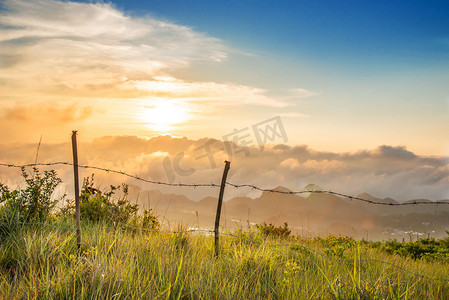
x: 77, y: 189
x: 220, y: 202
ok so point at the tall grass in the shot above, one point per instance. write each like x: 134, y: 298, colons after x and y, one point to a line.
x: 44, y: 263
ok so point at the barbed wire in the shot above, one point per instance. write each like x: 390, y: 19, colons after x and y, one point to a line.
x: 36, y: 164
x: 214, y: 185
x: 136, y: 177
x: 323, y: 255
x: 254, y: 187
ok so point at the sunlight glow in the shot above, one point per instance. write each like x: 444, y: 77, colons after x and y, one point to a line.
x: 164, y: 114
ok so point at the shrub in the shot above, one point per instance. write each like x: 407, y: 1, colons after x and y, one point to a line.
x: 429, y: 249
x: 99, y: 206
x: 9, y: 211
x: 32, y: 204
x: 149, y: 220
x: 336, y: 245
x: 269, y: 230
x: 36, y: 198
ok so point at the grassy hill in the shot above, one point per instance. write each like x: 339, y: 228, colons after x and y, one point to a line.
x: 124, y: 255
x: 43, y: 262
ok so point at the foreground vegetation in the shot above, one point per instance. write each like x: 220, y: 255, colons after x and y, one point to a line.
x: 44, y: 262
x: 124, y: 256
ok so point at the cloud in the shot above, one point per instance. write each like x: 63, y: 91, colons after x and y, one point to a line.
x: 59, y: 113
x: 58, y: 49
x: 402, y: 177
x: 399, y: 153
x: 202, y: 92
x: 303, y: 93
x: 290, y: 163
x: 293, y: 115
x: 91, y: 67
x: 94, y: 44
x: 324, y: 166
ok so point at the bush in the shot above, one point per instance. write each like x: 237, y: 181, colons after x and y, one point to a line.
x: 9, y: 211
x: 32, y: 204
x: 99, y: 207
x: 336, y: 245
x: 36, y: 198
x: 149, y: 220
x: 429, y: 249
x: 269, y: 230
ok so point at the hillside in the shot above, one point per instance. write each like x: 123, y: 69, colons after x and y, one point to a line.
x: 308, y: 213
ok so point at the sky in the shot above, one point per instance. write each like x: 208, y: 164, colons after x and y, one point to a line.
x: 336, y: 77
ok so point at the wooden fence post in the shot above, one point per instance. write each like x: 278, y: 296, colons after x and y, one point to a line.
x: 220, y: 202
x: 77, y: 189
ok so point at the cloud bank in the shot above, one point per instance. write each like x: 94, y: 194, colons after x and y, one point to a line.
x: 383, y: 172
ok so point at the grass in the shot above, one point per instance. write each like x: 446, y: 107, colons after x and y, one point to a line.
x: 42, y: 262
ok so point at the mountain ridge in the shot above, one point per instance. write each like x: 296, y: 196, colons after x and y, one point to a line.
x: 320, y: 211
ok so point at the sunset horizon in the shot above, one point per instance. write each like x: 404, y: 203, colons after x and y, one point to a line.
x: 224, y: 149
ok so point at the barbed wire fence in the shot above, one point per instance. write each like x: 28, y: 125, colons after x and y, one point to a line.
x: 224, y: 183
x: 215, y: 185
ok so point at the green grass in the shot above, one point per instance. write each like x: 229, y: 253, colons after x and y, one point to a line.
x: 44, y: 263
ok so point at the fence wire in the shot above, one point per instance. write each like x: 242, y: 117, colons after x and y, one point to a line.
x: 214, y: 185
x: 334, y: 193
x: 136, y: 177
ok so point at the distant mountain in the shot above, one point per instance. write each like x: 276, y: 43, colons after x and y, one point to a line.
x: 282, y: 189
x: 374, y: 199
x: 309, y: 213
x: 311, y: 187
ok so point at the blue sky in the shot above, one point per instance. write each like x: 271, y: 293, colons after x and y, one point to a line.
x: 356, y: 33
x: 383, y: 59
x: 343, y: 75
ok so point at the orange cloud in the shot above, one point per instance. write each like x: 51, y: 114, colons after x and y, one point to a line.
x: 351, y: 173
x: 49, y: 113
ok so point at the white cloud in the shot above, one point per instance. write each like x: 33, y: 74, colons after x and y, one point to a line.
x: 303, y: 93
x: 56, y: 49
x: 94, y: 43
x: 324, y: 166
x: 290, y: 163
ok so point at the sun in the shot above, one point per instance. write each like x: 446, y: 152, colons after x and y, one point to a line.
x: 162, y: 115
